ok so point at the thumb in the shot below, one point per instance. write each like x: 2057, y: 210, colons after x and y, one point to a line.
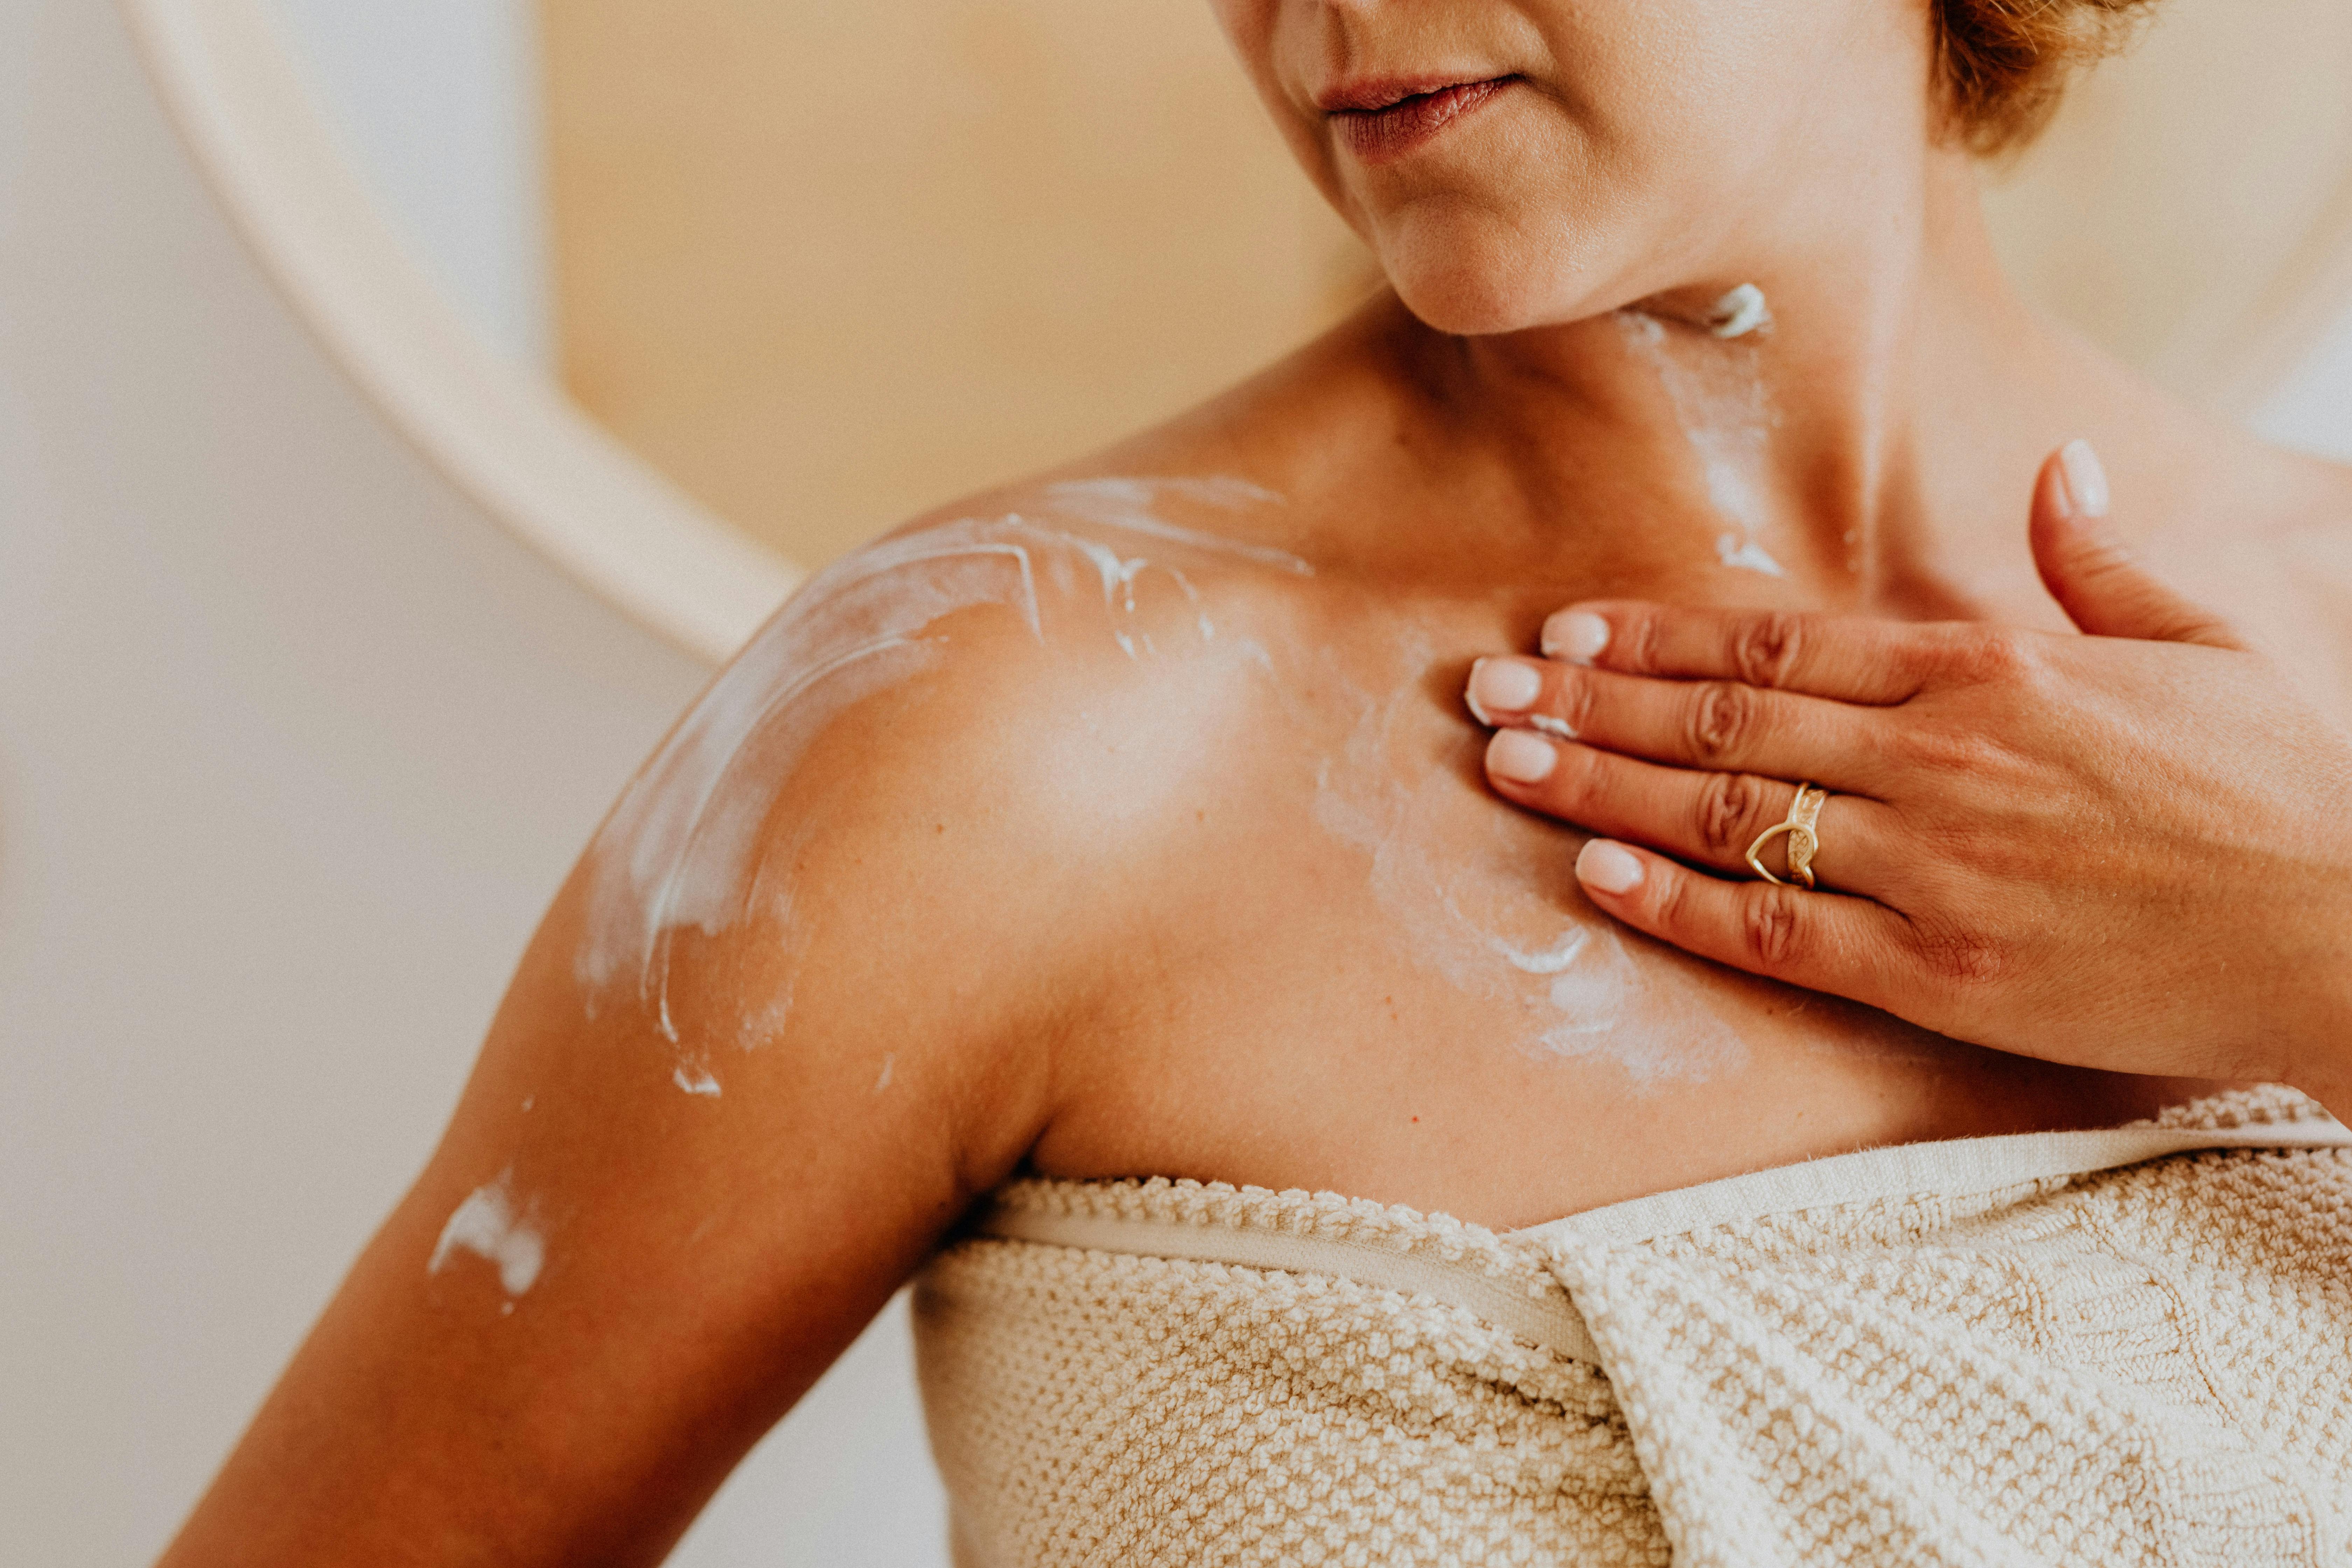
x: 2090, y: 573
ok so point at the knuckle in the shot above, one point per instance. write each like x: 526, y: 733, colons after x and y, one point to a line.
x: 1722, y: 720
x: 1937, y: 749
x: 1776, y: 933
x: 1985, y: 657
x: 1670, y: 913
x: 1765, y: 650
x: 1574, y: 703
x: 1730, y: 814
x: 1956, y: 956
x: 1577, y: 783
x: 1638, y: 643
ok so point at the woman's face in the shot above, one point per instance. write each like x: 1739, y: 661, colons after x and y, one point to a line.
x: 1516, y: 162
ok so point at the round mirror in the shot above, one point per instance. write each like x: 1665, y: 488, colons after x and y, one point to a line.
x: 695, y: 296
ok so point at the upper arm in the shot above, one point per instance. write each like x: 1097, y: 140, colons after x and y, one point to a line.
x: 779, y: 1026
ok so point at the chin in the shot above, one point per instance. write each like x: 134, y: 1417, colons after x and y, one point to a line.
x: 1473, y: 282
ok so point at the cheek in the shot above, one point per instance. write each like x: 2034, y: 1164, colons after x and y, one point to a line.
x: 1246, y: 23
x: 1276, y: 42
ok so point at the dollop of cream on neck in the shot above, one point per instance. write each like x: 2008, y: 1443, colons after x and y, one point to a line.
x: 1737, y: 314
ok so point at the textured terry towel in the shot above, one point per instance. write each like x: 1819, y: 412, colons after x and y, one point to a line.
x: 1990, y: 1352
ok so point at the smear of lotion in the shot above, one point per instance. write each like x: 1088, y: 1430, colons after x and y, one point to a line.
x: 1746, y: 555
x: 488, y: 1225
x: 1552, y: 963
x: 678, y: 853
x: 1726, y: 417
x: 1130, y: 504
x: 1465, y: 905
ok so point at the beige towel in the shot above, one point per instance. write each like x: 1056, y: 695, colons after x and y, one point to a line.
x: 1996, y: 1352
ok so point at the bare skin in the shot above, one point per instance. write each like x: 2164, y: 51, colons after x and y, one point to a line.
x: 1240, y: 906
x: 2126, y: 849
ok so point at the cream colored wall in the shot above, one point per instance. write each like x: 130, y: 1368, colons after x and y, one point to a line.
x: 829, y: 265
x: 2193, y: 190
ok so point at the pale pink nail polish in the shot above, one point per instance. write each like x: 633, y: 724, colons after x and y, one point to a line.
x: 1502, y: 686
x: 1576, y: 635
x: 1607, y: 868
x: 2086, y: 479
x: 1517, y: 757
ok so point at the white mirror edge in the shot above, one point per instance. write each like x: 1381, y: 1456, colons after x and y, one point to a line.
x: 506, y: 436
x: 2302, y: 301
x: 503, y: 434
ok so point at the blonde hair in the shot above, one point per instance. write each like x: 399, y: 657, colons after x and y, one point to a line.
x: 2005, y: 63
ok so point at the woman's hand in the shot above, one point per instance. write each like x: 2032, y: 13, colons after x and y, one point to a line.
x: 2130, y: 849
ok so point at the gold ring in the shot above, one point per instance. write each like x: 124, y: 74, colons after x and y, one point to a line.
x: 1804, y: 838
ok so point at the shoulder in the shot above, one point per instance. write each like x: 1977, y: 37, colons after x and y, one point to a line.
x: 806, y: 995
x: 928, y: 755
x: 2301, y: 506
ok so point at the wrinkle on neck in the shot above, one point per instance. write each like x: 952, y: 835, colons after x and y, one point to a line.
x: 1804, y: 445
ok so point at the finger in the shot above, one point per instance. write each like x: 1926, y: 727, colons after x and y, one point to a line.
x: 1710, y: 819
x: 1846, y: 657
x: 2091, y: 574
x: 1847, y: 947
x: 1720, y: 725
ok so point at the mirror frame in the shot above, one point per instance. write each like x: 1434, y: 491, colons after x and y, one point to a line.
x: 504, y: 435
x: 510, y: 439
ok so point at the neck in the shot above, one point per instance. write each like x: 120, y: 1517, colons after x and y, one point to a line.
x: 1822, y: 453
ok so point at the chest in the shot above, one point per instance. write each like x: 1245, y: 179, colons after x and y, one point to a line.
x: 1364, y: 972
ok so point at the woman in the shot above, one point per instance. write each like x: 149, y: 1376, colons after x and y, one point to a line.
x: 1128, y: 823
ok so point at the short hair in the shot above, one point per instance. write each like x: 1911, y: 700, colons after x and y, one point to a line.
x: 2005, y: 63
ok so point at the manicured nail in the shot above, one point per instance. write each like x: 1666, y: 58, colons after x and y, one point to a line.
x: 2086, y: 479
x: 1502, y: 686
x: 1607, y: 868
x: 1520, y: 758
x: 1576, y: 635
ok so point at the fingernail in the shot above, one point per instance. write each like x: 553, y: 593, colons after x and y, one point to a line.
x: 1576, y: 635
x: 2086, y: 479
x: 1520, y: 758
x: 1504, y: 685
x: 1607, y: 868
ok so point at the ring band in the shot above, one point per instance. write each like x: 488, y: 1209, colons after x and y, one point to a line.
x: 1804, y: 838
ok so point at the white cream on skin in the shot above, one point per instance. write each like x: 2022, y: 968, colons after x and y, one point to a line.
x: 1746, y: 555
x: 1739, y: 313
x: 688, y: 847
x: 1725, y: 415
x: 1475, y: 912
x: 488, y: 1225
x: 679, y: 851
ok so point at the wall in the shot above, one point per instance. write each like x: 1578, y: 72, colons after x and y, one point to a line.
x: 294, y: 745
x: 2313, y: 406
x: 438, y: 103
x: 827, y: 265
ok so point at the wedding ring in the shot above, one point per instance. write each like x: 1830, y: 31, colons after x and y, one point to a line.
x: 1804, y: 838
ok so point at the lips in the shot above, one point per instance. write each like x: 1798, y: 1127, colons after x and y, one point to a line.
x: 1380, y: 121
